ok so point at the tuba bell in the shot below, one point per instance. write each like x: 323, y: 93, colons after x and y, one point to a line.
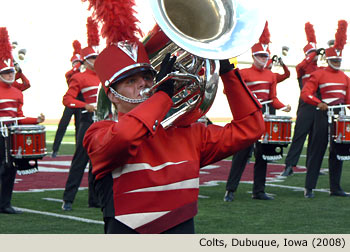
x: 199, y: 33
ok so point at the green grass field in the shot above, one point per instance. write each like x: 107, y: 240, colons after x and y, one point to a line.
x: 289, y: 213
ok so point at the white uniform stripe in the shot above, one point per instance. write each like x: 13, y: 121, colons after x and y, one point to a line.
x: 331, y: 84
x: 337, y: 91
x: 83, y: 90
x: 186, y: 184
x: 139, y: 167
x: 261, y: 91
x: 9, y: 109
x: 139, y: 219
x: 329, y: 100
x: 7, y: 100
x: 256, y: 82
x: 306, y: 76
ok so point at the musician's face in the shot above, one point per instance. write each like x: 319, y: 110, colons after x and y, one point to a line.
x: 336, y: 63
x: 90, y: 62
x: 260, y: 60
x: 131, y: 88
x: 9, y: 77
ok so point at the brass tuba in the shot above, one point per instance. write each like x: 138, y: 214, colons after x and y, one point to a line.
x: 199, y: 33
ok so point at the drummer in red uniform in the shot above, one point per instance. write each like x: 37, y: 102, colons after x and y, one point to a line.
x: 262, y: 82
x: 334, y: 86
x: 11, y: 102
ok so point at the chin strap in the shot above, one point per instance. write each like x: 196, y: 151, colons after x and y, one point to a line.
x: 7, y: 81
x: 90, y: 64
x: 126, y: 99
x: 332, y: 66
x: 262, y: 64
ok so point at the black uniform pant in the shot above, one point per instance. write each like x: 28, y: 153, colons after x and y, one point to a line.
x: 78, y: 165
x: 7, y: 175
x: 303, y: 127
x: 62, y: 125
x: 104, y: 192
x: 239, y: 162
x: 317, y: 151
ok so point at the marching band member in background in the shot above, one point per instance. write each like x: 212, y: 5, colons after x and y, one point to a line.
x: 306, y: 112
x: 68, y: 112
x: 262, y: 82
x: 155, y: 170
x: 11, y: 102
x: 334, y: 87
x: 86, y: 83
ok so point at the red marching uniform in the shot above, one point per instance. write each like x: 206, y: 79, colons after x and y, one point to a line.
x: 25, y: 82
x: 333, y: 88
x: 306, y: 67
x: 85, y: 82
x: 151, y: 166
x: 305, y: 112
x: 262, y: 83
x: 11, y: 102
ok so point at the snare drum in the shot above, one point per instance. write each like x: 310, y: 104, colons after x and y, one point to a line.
x: 27, y: 141
x: 341, y: 133
x: 277, y: 130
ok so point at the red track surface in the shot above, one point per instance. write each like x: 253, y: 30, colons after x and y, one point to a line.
x: 53, y: 173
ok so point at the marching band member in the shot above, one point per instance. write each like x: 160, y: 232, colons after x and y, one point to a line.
x: 68, y: 112
x: 155, y: 170
x: 334, y: 88
x: 86, y: 83
x: 305, y: 112
x: 11, y: 102
x: 262, y: 82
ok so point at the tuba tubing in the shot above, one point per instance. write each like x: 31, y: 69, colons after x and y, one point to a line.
x: 199, y: 33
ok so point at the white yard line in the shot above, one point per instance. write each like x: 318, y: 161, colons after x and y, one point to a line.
x: 60, y: 216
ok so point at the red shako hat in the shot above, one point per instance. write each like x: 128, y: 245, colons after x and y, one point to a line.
x: 124, y: 54
x: 6, y: 59
x: 76, y: 53
x: 93, y: 39
x: 311, y: 38
x: 335, y: 52
x: 263, y: 45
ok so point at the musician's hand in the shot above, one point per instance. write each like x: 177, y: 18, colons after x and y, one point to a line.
x: 41, y: 118
x: 280, y: 60
x: 17, y: 67
x: 165, y: 68
x: 320, y: 51
x: 287, y: 109
x: 322, y: 106
x: 90, y: 108
x: 225, y: 66
x: 274, y: 58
